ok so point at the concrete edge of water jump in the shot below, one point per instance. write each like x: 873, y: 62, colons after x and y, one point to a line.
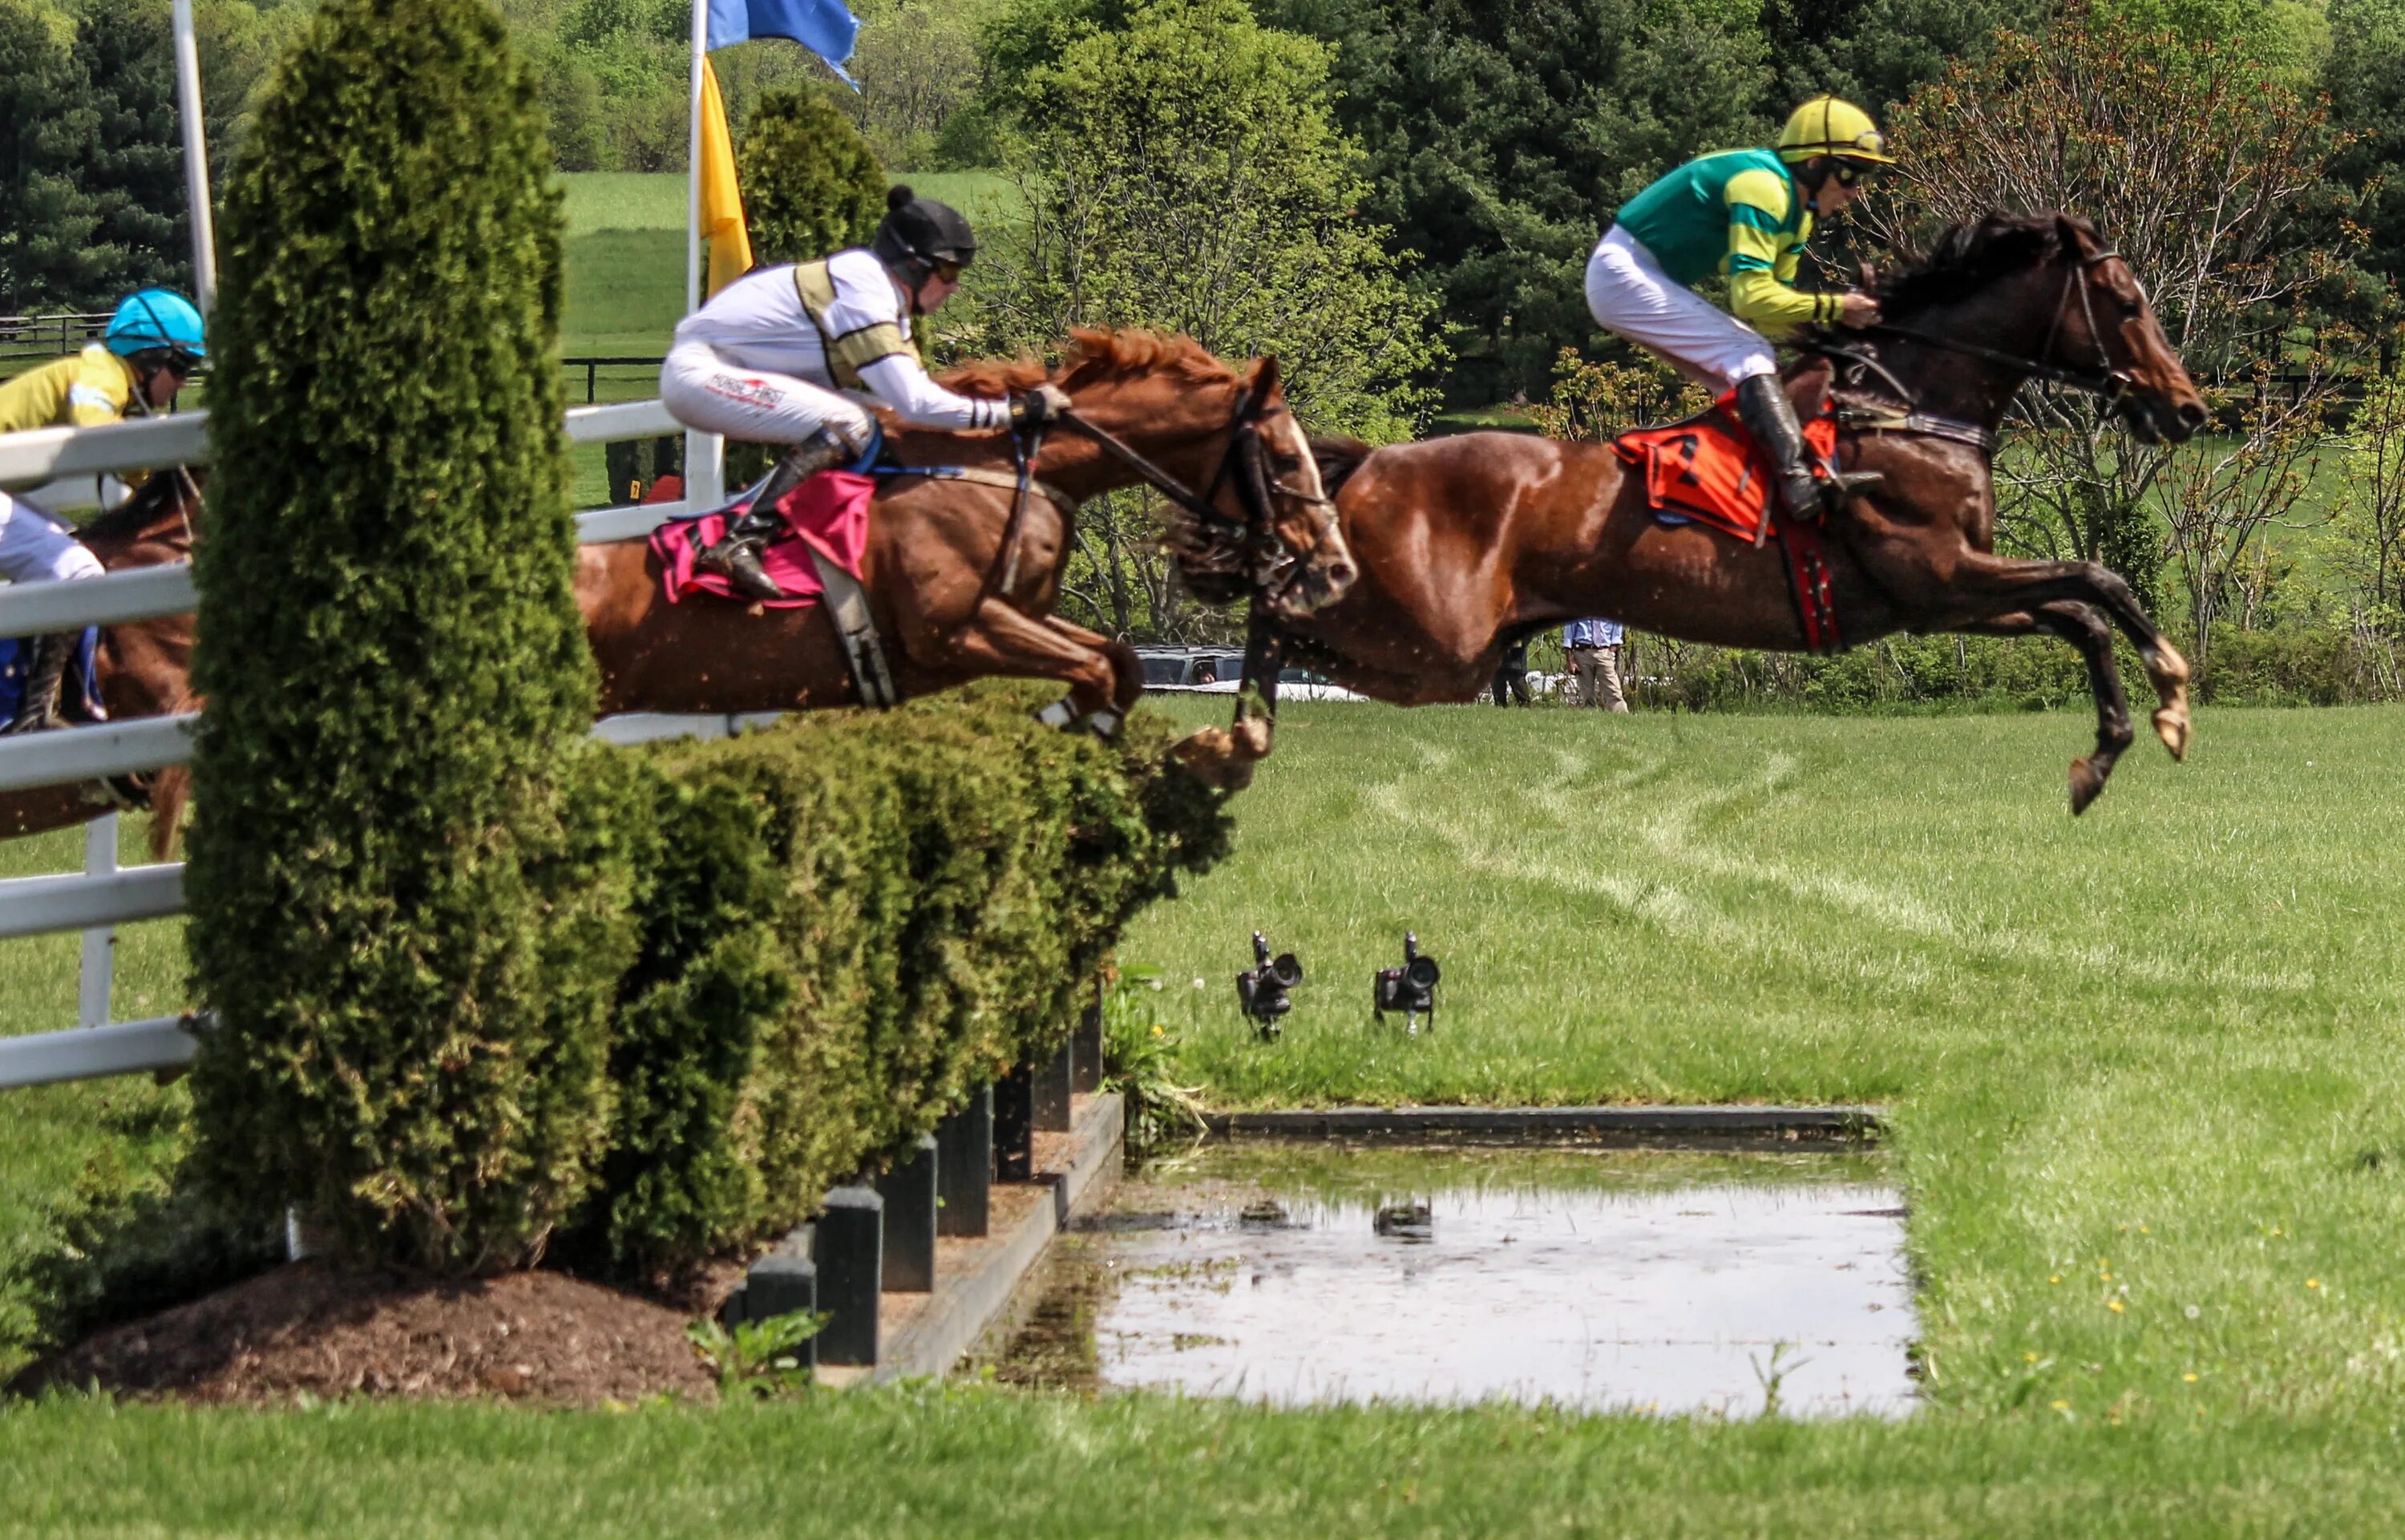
x: 1600, y: 1122
x: 976, y: 1295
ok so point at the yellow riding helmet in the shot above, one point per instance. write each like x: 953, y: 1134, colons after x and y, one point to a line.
x: 1826, y: 126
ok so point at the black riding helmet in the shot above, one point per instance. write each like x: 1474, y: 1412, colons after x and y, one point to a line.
x: 919, y: 235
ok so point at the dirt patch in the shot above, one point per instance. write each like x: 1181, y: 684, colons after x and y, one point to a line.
x: 316, y: 1330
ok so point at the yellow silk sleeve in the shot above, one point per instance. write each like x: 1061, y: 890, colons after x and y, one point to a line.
x: 100, y: 389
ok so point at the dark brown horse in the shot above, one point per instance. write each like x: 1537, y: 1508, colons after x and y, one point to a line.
x: 1466, y: 542
x: 145, y: 666
x: 951, y: 601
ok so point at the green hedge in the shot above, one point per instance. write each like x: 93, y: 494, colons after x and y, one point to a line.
x: 851, y: 922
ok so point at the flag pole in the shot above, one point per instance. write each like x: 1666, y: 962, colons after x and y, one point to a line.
x: 196, y: 158
x: 704, y: 464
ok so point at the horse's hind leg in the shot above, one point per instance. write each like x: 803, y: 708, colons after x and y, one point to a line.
x: 2030, y: 586
x: 2087, y: 631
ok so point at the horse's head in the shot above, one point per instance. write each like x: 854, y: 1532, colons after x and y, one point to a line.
x: 2045, y: 292
x: 1256, y: 517
x: 2105, y: 320
x: 1310, y: 565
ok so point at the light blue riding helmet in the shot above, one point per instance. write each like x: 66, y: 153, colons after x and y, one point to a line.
x: 156, y: 318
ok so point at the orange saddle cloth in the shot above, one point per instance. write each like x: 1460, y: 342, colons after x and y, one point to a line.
x: 1707, y: 468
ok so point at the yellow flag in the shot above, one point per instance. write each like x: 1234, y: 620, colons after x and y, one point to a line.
x: 722, y: 202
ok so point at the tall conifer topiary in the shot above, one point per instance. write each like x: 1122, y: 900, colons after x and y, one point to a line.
x: 409, y: 946
x: 812, y: 186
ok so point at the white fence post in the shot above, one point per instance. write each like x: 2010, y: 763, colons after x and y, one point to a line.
x: 99, y: 943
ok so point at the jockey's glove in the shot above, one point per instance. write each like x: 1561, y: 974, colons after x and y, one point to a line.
x: 1043, y: 404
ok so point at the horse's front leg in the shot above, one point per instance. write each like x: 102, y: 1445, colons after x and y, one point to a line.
x: 1103, y: 713
x: 2030, y: 586
x: 2087, y: 631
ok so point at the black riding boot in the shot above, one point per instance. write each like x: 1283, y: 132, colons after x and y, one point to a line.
x: 1763, y: 406
x: 45, y: 671
x: 735, y: 554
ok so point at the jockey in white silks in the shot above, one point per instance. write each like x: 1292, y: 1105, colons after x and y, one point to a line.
x: 787, y: 355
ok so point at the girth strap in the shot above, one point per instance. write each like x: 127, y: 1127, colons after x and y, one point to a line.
x: 846, y: 605
x: 1865, y: 419
x: 1816, y: 598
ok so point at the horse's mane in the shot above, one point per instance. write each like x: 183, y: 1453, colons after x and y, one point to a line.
x: 1091, y: 353
x: 1338, y: 458
x: 150, y: 504
x: 1967, y: 256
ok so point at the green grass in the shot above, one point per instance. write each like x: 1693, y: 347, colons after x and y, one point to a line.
x: 2160, y: 1042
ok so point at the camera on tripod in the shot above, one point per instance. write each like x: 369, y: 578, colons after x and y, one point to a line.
x: 1409, y: 989
x: 1262, y: 989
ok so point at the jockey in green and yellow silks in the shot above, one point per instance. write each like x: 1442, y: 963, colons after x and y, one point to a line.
x: 1745, y: 214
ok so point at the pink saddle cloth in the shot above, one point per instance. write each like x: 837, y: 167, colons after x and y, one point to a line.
x: 829, y: 510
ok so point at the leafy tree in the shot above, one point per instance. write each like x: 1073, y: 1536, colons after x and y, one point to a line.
x: 1186, y: 172
x: 403, y: 919
x: 810, y: 184
x: 90, y: 157
x: 2200, y: 164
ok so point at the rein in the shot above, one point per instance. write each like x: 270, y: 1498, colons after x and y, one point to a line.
x: 2104, y: 380
x: 1245, y: 459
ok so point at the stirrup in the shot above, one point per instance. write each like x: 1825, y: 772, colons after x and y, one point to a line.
x: 737, y: 558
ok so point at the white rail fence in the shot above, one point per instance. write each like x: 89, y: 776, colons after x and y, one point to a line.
x: 67, y: 464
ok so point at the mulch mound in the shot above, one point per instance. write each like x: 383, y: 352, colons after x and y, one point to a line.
x: 311, y: 1329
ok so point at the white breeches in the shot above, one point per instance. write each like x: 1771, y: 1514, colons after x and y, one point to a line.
x: 706, y: 393
x: 1631, y: 295
x: 36, y: 547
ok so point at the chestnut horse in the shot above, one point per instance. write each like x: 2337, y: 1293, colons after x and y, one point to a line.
x: 145, y: 667
x: 1466, y: 543
x: 956, y: 597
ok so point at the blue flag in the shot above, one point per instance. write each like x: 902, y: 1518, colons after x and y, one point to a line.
x: 825, y: 27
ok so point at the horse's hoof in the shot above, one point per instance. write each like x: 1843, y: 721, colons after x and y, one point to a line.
x: 1058, y: 714
x: 2171, y: 727
x: 2087, y: 785
x: 1105, y: 724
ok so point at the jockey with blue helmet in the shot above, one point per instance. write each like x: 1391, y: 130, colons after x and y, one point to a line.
x: 1744, y: 215
x: 153, y: 343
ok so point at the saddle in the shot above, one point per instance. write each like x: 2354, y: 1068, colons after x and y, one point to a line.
x: 1705, y: 470
x: 826, y: 513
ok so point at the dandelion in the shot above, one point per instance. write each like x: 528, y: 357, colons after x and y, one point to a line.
x: 2055, y: 1278
x: 2312, y: 1283
x: 2061, y: 1405
x: 2143, y: 1231
x: 1156, y: 1030
x: 2192, y: 1312
x: 1201, y: 983
x: 2028, y: 1358
x: 2115, y: 1306
x: 2191, y: 1376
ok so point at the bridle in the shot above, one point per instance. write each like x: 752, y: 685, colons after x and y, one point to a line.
x: 1272, y: 566
x: 2104, y: 380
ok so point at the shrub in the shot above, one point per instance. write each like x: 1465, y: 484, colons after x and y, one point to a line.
x: 812, y: 186
x: 855, y: 920
x: 410, y: 944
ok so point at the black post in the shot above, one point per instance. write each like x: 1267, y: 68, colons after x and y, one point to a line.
x: 847, y: 1246
x: 909, y: 1193
x: 965, y: 1167
x: 1014, y: 1126
x: 1086, y: 1066
x: 1053, y: 1078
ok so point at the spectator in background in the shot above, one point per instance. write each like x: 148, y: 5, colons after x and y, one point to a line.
x: 1594, y: 650
x: 1512, y: 675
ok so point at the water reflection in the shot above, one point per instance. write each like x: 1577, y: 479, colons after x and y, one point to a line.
x: 1313, y: 1272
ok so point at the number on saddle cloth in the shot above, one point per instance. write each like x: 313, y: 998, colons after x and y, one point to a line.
x: 1707, y: 470
x: 78, y: 698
